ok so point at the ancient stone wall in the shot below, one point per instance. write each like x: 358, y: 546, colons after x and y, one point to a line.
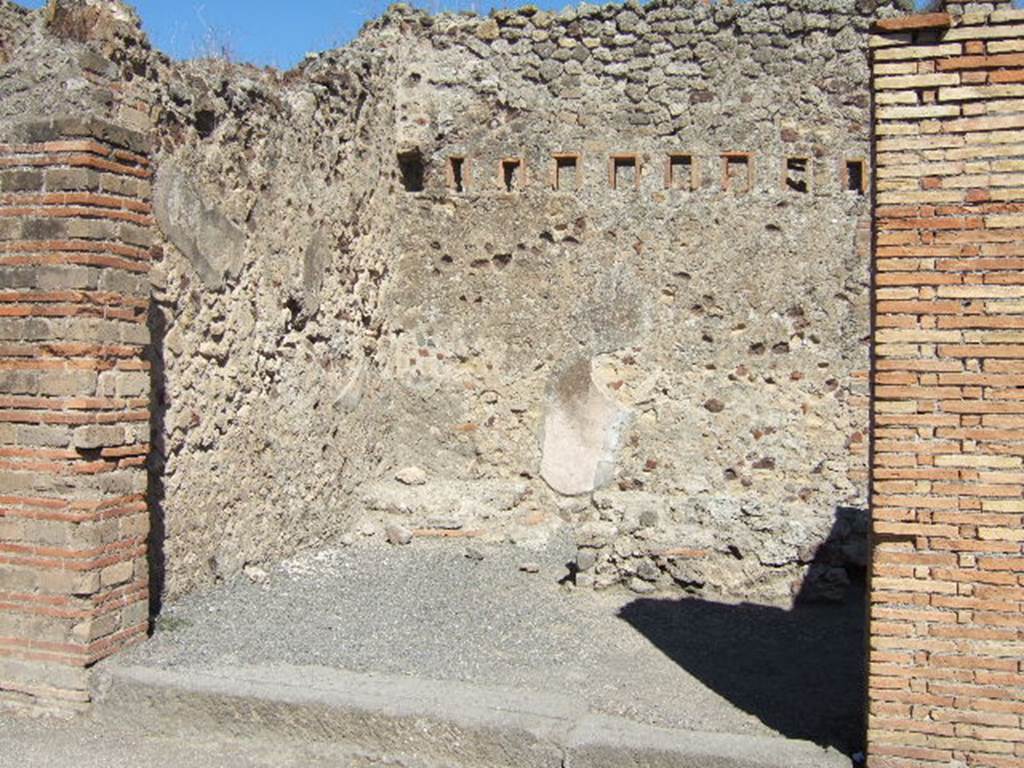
x: 76, y: 57
x: 74, y: 403
x: 946, y: 681
x: 603, y: 271
x: 632, y: 293
x: 376, y: 310
x: 274, y: 199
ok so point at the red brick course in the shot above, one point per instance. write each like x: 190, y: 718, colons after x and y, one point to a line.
x: 946, y: 659
x: 74, y: 415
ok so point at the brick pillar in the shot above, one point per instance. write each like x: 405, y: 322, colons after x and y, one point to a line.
x: 75, y: 233
x: 946, y: 677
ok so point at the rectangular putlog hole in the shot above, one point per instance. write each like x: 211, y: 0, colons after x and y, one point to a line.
x: 737, y: 172
x: 624, y: 172
x: 855, y: 177
x: 566, y: 173
x: 796, y: 175
x: 410, y: 167
x: 512, y: 174
x: 680, y: 173
x: 457, y: 174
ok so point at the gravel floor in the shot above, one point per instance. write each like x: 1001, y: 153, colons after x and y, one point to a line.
x: 427, y: 610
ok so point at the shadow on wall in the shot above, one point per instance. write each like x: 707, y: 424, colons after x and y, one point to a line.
x: 800, y: 672
x: 157, y: 458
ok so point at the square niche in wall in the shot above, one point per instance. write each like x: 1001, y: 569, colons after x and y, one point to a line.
x: 411, y: 170
x: 737, y: 172
x: 624, y: 171
x: 855, y: 176
x: 567, y: 172
x: 796, y: 174
x: 680, y: 172
x: 512, y: 174
x: 457, y: 173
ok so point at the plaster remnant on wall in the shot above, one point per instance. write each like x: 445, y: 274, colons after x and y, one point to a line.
x: 583, y: 430
x: 351, y: 392
x: 314, y: 262
x: 206, y: 237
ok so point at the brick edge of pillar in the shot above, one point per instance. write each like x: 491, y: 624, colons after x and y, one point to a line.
x: 946, y: 655
x: 75, y: 240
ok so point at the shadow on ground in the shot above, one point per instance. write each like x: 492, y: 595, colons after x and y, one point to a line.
x: 800, y: 671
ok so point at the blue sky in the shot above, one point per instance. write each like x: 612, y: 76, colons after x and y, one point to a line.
x: 272, y: 31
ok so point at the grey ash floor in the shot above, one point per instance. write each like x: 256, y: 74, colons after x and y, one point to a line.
x: 426, y: 610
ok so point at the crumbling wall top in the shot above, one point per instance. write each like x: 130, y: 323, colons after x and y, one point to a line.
x: 755, y: 16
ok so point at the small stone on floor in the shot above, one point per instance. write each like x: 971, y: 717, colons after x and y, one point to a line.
x: 397, y: 534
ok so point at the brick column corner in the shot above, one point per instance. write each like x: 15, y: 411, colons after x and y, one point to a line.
x: 75, y: 229
x: 946, y: 656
